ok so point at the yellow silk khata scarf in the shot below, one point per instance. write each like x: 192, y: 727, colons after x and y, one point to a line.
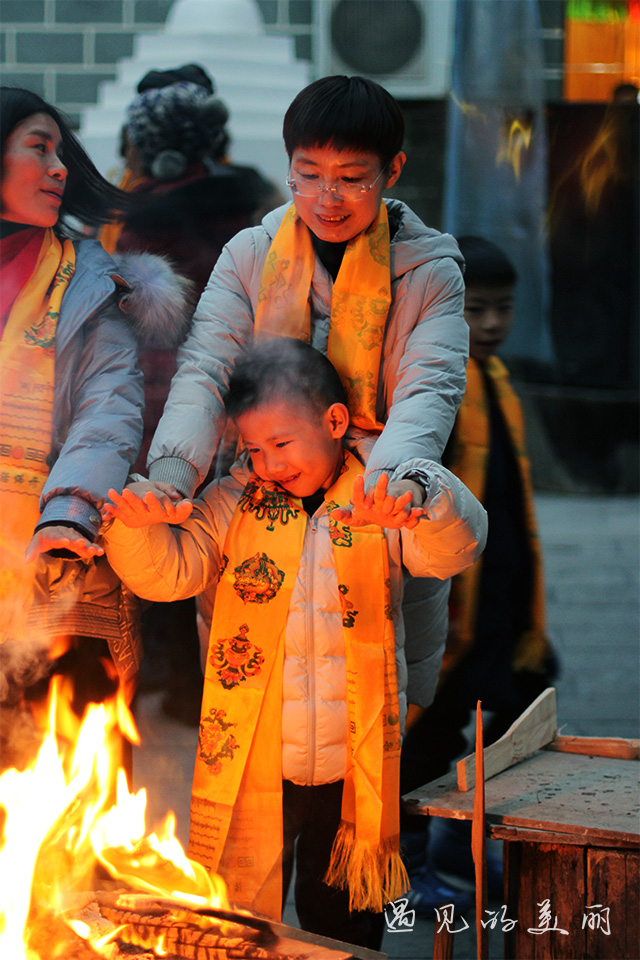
x: 27, y: 364
x: 236, y: 803
x: 360, y: 303
x: 467, y: 457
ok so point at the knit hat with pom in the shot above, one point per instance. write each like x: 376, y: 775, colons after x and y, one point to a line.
x: 175, y: 126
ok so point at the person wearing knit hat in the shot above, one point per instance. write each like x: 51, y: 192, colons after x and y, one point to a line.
x: 174, y: 126
x: 191, y: 72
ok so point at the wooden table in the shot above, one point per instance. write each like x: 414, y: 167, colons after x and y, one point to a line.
x: 571, y: 826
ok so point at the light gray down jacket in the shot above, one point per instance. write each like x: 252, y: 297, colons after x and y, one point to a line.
x: 424, y: 355
x: 163, y: 562
x: 110, y: 306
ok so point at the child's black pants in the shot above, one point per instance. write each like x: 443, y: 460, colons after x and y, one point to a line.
x: 311, y: 817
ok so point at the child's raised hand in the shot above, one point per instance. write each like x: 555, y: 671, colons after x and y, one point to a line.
x: 395, y: 504
x: 142, y: 504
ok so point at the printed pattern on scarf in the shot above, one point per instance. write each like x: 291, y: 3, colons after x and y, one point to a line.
x: 360, y: 301
x: 271, y: 502
x: 236, y: 659
x: 257, y: 579
x: 215, y: 743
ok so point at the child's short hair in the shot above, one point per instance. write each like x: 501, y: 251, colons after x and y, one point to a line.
x: 283, y: 368
x: 485, y: 263
x: 345, y: 112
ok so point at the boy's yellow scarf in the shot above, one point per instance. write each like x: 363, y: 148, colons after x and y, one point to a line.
x: 467, y: 457
x: 360, y: 303
x: 236, y: 804
x: 27, y: 364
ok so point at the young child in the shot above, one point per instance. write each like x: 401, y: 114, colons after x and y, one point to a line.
x: 306, y: 670
x: 497, y: 650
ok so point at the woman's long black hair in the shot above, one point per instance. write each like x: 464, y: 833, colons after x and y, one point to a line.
x: 87, y: 196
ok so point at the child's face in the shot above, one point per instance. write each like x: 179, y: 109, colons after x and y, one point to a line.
x: 291, y: 444
x: 330, y: 216
x: 488, y: 311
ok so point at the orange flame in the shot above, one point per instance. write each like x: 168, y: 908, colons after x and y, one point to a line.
x: 60, y: 820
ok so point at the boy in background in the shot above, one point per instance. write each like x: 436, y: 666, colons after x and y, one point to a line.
x: 307, y: 673
x: 497, y: 650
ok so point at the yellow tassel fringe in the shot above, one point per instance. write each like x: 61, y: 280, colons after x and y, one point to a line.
x: 373, y: 876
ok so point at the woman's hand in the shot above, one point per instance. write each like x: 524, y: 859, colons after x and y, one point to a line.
x: 397, y: 504
x: 144, y: 503
x: 61, y: 538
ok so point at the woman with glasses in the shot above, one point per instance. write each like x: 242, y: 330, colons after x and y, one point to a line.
x: 361, y: 278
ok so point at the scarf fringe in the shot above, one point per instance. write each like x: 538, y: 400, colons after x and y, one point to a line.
x: 373, y: 876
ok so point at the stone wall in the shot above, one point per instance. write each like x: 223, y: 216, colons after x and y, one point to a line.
x: 64, y: 49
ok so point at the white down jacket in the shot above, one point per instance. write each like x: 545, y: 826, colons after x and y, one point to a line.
x: 165, y: 562
x: 422, y: 369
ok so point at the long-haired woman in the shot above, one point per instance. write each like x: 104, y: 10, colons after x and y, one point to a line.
x: 71, y: 398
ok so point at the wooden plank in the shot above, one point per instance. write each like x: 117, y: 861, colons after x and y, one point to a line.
x: 500, y: 831
x: 512, y: 866
x: 588, y: 796
x: 443, y: 943
x: 597, y: 746
x: 612, y: 906
x: 545, y: 887
x: 479, y: 842
x: 566, y: 895
x: 533, y: 729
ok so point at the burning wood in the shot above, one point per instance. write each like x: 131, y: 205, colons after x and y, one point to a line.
x: 121, y: 924
x: 60, y: 828
x: 184, y: 932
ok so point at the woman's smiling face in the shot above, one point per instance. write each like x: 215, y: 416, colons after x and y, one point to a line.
x: 33, y: 174
x: 327, y: 214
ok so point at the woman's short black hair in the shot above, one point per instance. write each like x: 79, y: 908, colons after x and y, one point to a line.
x: 87, y: 196
x: 485, y: 263
x: 345, y: 113
x: 283, y: 368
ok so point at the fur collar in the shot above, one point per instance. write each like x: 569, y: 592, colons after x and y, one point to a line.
x: 158, y: 300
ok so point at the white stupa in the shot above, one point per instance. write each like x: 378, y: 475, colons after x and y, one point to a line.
x: 256, y: 75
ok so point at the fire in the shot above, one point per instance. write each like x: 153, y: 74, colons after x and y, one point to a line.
x: 59, y: 820
x: 514, y: 142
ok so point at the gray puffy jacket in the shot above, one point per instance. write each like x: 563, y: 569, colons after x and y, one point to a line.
x: 422, y: 373
x: 110, y: 305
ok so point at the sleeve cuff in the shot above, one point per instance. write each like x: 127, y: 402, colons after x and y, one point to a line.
x: 414, y: 470
x: 71, y: 511
x: 182, y: 474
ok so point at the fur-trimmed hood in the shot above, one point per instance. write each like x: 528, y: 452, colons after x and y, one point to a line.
x: 156, y: 297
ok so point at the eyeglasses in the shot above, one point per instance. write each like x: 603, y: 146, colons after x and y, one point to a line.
x: 344, y: 189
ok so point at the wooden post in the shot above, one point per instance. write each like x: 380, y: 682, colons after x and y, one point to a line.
x: 443, y: 943
x: 479, y: 841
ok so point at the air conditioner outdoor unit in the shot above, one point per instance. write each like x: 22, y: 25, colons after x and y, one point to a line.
x: 406, y: 45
